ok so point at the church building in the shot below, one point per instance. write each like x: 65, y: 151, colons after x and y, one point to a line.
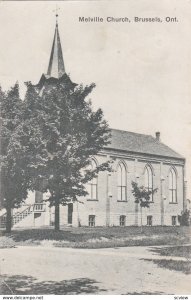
x: 110, y: 202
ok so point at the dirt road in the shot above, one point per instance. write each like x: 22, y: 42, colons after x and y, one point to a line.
x: 46, y: 270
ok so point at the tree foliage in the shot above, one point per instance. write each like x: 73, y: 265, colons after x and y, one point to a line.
x: 49, y: 138
x: 142, y: 195
x: 14, y: 177
x: 185, y: 218
x: 61, y: 133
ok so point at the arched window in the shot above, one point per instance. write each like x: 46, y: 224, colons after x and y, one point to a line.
x: 172, y: 186
x: 148, y: 177
x: 92, y: 184
x: 121, y: 182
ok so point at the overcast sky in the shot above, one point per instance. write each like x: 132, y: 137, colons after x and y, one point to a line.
x: 142, y: 71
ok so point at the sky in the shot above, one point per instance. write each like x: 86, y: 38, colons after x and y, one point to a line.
x: 142, y: 71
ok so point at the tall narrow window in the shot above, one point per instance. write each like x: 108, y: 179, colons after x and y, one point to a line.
x: 148, y: 176
x: 92, y: 184
x: 121, y: 182
x: 172, y: 186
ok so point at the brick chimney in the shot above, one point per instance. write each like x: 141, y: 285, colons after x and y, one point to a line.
x: 157, y: 136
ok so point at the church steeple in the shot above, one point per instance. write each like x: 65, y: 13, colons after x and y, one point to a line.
x: 56, y: 70
x: 56, y: 67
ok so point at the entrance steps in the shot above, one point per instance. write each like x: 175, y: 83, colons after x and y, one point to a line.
x: 20, y: 216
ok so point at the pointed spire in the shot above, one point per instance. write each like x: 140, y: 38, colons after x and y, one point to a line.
x: 56, y: 67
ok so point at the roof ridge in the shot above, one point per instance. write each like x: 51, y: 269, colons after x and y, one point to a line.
x: 133, y: 132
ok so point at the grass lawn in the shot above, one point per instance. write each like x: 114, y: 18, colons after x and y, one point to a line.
x: 175, y: 250
x: 181, y: 251
x: 180, y: 266
x: 97, y: 237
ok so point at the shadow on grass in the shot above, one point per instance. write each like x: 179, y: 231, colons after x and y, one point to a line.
x: 173, y: 265
x: 27, y: 285
x: 45, y: 234
x: 97, y: 237
x: 181, y: 251
x: 145, y: 293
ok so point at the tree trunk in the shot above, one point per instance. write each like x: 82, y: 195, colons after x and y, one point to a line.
x: 141, y: 221
x: 57, y: 217
x: 8, y: 219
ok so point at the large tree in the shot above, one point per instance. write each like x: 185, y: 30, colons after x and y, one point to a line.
x: 63, y: 133
x: 14, y: 178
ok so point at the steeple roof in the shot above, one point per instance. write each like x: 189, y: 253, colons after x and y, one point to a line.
x: 56, y: 67
x: 56, y: 70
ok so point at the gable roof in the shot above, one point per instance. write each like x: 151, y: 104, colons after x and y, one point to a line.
x: 139, y: 143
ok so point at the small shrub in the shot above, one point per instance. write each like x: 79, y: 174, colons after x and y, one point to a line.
x: 184, y: 218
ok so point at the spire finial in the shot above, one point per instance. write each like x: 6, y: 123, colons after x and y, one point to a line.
x: 56, y: 13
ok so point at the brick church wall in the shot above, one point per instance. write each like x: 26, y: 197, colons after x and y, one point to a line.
x: 160, y: 209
